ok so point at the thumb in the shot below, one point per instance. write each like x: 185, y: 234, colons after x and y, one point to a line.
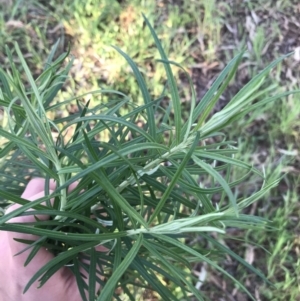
x: 41, y: 257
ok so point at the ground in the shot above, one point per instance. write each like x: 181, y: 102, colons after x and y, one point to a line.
x: 202, y: 36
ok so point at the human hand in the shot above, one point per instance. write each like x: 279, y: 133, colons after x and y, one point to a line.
x: 14, y: 276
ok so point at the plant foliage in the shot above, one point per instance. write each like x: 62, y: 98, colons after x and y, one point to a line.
x: 140, y: 192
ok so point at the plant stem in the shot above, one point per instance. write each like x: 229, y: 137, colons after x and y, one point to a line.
x: 153, y: 166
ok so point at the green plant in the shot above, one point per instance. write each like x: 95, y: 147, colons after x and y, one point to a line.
x: 140, y: 192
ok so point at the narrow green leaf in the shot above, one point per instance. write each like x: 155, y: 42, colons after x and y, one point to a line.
x: 78, y: 125
x: 233, y: 162
x: 18, y: 140
x: 51, y: 55
x: 239, y: 101
x: 171, y: 81
x: 219, y: 178
x: 170, y: 187
x: 260, y: 104
x: 5, y: 85
x: 43, y: 129
x: 55, y: 88
x: 142, y: 267
x: 80, y: 282
x: 53, y: 270
x: 142, y: 86
x: 26, y: 205
x: 119, y: 199
x: 58, y: 262
x: 173, y: 270
x: 117, y: 262
x: 32, y: 254
x: 213, y: 89
x: 114, y: 120
x: 226, y: 250
x: 39, y: 164
x: 113, y: 280
x: 215, y: 97
x: 186, y: 129
x: 62, y: 236
x: 92, y: 274
x: 203, y: 258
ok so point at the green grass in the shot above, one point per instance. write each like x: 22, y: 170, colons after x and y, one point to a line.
x: 202, y: 36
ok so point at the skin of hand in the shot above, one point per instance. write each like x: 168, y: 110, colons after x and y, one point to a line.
x: 14, y: 276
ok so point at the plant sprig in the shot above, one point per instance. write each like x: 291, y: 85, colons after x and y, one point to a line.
x: 141, y: 191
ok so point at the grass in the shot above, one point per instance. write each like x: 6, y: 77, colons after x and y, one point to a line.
x: 203, y: 37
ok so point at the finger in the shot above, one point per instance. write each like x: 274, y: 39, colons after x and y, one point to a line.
x: 28, y: 218
x: 33, y: 191
x: 35, y: 186
x: 16, y: 246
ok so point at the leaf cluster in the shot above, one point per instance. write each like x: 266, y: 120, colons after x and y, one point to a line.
x: 140, y: 190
